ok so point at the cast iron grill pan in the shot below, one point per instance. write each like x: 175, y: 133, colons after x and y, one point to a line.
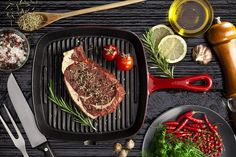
x: 55, y: 123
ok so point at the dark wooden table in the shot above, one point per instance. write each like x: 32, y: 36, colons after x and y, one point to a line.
x: 136, y: 18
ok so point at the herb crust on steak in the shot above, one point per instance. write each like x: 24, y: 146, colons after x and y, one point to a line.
x: 94, y: 89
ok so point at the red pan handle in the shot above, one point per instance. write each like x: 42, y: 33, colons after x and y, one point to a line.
x: 185, y: 83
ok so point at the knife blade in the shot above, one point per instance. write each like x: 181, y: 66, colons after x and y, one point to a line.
x: 36, y: 138
x: 231, y: 103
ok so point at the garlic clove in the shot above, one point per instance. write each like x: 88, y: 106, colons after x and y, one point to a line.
x: 123, y: 153
x: 199, y: 58
x: 130, y: 144
x: 117, y: 147
x: 202, y: 54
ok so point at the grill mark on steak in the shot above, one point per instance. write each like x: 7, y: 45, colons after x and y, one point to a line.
x: 94, y: 89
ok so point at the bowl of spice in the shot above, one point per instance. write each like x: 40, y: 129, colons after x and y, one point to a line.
x: 14, y: 49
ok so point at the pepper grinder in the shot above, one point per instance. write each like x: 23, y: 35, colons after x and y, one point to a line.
x: 222, y: 36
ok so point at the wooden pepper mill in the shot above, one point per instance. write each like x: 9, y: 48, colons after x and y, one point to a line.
x: 222, y: 37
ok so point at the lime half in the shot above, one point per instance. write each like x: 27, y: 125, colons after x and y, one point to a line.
x: 173, y: 48
x: 160, y: 31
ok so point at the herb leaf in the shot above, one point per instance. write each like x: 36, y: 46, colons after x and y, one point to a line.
x: 167, y: 145
x: 155, y: 56
x: 66, y: 107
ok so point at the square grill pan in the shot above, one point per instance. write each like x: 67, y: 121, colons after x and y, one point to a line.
x: 55, y: 123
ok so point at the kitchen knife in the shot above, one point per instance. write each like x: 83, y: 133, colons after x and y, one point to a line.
x: 232, y: 107
x: 36, y: 138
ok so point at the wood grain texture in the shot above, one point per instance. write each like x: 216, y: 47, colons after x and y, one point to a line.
x: 137, y: 18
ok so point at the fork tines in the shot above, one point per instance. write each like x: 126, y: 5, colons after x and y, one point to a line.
x: 19, y: 142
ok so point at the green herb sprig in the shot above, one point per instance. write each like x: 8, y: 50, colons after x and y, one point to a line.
x: 167, y: 145
x: 66, y: 107
x: 155, y: 56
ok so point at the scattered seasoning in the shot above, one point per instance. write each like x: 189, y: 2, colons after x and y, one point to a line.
x: 13, y: 50
x: 30, y: 21
x: 93, y: 85
x: 15, y: 9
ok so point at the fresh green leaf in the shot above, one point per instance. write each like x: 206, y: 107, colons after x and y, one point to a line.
x: 155, y: 56
x: 66, y: 107
x: 167, y: 145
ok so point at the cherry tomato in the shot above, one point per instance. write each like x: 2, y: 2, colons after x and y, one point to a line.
x: 110, y: 52
x: 124, y: 62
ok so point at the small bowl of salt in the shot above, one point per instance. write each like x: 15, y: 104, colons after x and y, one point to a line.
x: 14, y: 49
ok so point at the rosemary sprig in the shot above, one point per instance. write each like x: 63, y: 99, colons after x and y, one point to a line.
x: 66, y: 107
x: 155, y: 56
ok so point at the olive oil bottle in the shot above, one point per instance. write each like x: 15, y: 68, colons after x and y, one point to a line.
x: 191, y: 18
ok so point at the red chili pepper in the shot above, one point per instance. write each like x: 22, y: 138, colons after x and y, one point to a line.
x: 195, y: 120
x: 211, y: 126
x: 169, y: 131
x: 171, y: 123
x: 183, y: 135
x: 200, y: 126
x: 193, y: 129
x: 186, y: 114
x: 170, y: 127
x: 181, y: 132
x: 181, y: 125
x: 216, y: 127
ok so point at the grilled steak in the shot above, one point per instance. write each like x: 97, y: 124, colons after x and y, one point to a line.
x: 94, y: 89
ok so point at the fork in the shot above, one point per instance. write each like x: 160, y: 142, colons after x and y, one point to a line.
x: 19, y: 142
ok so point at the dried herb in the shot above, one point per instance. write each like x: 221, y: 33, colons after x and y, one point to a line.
x: 91, y: 86
x: 30, y: 21
x: 15, y: 9
x: 72, y: 110
x: 156, y: 57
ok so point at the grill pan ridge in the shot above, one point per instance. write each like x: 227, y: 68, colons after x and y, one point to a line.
x: 129, y: 116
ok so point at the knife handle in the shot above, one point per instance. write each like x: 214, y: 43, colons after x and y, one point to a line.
x: 46, y: 149
x: 233, y: 118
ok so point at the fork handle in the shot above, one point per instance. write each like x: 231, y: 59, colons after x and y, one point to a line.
x: 24, y: 152
x: 46, y: 149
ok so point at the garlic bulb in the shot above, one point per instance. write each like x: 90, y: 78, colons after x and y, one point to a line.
x: 201, y: 54
x: 130, y: 144
x: 117, y: 147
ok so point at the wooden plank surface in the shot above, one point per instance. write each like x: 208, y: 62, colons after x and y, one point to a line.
x: 136, y: 18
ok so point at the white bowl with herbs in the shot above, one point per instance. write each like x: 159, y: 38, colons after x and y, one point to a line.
x: 14, y: 49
